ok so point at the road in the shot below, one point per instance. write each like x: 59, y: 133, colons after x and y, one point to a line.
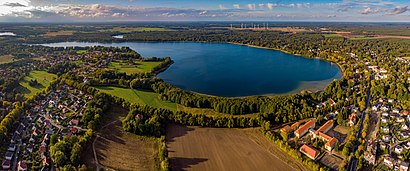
x: 353, y: 161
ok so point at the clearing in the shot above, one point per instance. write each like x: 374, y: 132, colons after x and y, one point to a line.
x: 6, y: 59
x: 43, y: 78
x: 139, y: 67
x: 134, y: 29
x: 120, y: 150
x: 59, y: 33
x: 196, y: 148
x: 208, y: 112
x: 138, y: 96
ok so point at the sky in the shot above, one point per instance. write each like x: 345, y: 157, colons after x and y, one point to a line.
x: 204, y: 10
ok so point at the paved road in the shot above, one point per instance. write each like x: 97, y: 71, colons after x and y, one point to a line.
x: 353, y: 161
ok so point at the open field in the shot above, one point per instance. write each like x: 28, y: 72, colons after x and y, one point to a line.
x: 43, y: 78
x: 59, y: 33
x: 282, y: 29
x: 6, y: 59
x: 195, y: 148
x: 331, y: 35
x: 140, y: 67
x: 138, y: 96
x: 120, y: 150
x: 134, y: 29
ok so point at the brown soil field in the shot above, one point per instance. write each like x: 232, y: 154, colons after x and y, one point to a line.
x: 120, y: 150
x: 196, y: 148
x: 60, y: 33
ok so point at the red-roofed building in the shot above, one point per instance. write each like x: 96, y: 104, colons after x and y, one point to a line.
x: 325, y: 127
x: 331, y: 144
x: 21, y: 166
x: 309, y: 151
x: 6, y: 164
x: 305, y: 128
x: 286, y: 128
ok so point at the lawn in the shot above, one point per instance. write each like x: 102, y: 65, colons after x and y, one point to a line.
x: 81, y: 52
x: 138, y: 96
x: 331, y: 35
x: 43, y: 78
x: 134, y: 29
x: 139, y: 67
x: 6, y: 59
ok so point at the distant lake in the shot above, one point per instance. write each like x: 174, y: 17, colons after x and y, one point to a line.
x: 230, y: 70
x: 7, y: 34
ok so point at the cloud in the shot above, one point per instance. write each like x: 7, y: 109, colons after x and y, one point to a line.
x: 368, y: 10
x: 331, y: 16
x: 237, y: 6
x: 14, y: 4
x: 270, y: 5
x: 251, y: 6
x: 398, y: 10
x: 221, y: 7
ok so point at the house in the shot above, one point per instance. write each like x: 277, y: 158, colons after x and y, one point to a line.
x: 404, y: 127
x: 385, y: 108
x: 331, y: 144
x: 6, y: 164
x: 12, y: 147
x: 386, y: 129
x: 74, y: 122
x: 404, y: 166
x: 386, y: 138
x: 405, y: 113
x: 311, y: 152
x: 398, y: 149
x: 396, y: 110
x: 400, y: 119
x: 295, y: 125
x: 9, y: 155
x: 385, y: 114
x: 352, y: 119
x: 46, y: 161
x: 21, y: 166
x: 390, y: 100
x: 389, y: 162
x: 286, y: 128
x: 384, y: 120
x: 304, y: 128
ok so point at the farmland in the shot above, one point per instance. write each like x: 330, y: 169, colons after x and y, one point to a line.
x: 139, y: 97
x: 59, y: 33
x: 43, y: 78
x: 120, y: 150
x: 6, y: 59
x: 190, y: 149
x: 134, y: 29
x: 139, y: 67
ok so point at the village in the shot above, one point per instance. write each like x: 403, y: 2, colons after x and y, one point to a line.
x: 56, y: 116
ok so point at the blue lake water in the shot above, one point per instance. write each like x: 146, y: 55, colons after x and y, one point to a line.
x: 230, y: 70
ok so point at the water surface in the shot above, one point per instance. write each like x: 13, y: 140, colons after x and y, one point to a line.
x: 232, y: 70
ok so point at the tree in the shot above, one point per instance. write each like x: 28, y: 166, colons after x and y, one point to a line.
x: 285, y: 135
x: 59, y: 158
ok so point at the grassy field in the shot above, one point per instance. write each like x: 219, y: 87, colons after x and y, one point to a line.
x: 43, y: 78
x: 140, y: 67
x: 134, y: 29
x: 59, y: 33
x: 331, y: 35
x: 190, y: 149
x: 138, y: 96
x: 81, y: 52
x: 120, y: 150
x: 6, y: 59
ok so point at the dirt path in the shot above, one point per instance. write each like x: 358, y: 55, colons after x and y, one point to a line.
x: 195, y: 148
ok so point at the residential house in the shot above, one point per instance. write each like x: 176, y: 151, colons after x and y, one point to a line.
x: 386, y: 129
x: 21, y: 166
x: 389, y: 161
x: 352, y: 119
x: 404, y: 166
x: 398, y: 149
x: 311, y: 152
x: 6, y: 164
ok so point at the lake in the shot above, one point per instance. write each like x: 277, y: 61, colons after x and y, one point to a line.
x: 231, y: 70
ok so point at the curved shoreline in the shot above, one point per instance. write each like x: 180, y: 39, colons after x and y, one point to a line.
x: 297, y: 90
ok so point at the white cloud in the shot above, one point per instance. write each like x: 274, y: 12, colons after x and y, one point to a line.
x: 237, y: 6
x: 221, y: 7
x: 251, y: 6
x: 368, y: 10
